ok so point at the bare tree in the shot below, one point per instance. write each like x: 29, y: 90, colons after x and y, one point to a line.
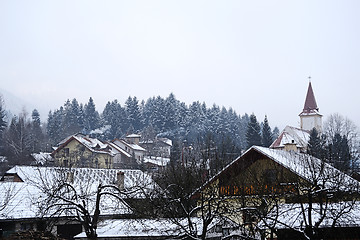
x: 335, y: 125
x: 86, y: 195
x: 17, y: 140
x: 187, y: 204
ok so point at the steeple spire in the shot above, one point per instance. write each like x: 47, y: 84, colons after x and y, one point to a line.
x: 310, y: 117
x: 310, y: 102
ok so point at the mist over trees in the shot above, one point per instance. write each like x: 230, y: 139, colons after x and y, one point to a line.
x: 157, y: 116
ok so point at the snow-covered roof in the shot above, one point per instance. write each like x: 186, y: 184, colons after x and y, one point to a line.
x: 25, y: 199
x: 292, y: 135
x: 116, y: 148
x: 133, y: 136
x: 17, y: 200
x: 135, y: 228
x: 305, y: 166
x: 345, y: 214
x: 159, y: 161
x: 309, y: 168
x: 132, y: 177
x: 151, y: 228
x: 21, y: 200
x: 92, y: 144
x: 166, y: 140
x: 41, y: 158
x: 134, y: 147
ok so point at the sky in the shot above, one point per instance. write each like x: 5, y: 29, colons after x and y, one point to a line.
x: 253, y: 56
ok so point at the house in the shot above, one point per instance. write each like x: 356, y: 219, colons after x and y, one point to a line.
x: 82, y: 151
x: 292, y: 138
x: 297, y: 138
x: 263, y: 181
x: 123, y: 159
x: 131, y: 147
x: 24, y: 192
x: 42, y: 159
x: 159, y: 147
x: 154, y: 164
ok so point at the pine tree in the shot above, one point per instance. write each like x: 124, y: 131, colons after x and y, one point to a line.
x: 115, y: 116
x: 253, y: 136
x: 243, y: 126
x: 275, y: 132
x: 37, y: 136
x: 70, y: 122
x: 340, y: 152
x: 133, y: 113
x: 266, y: 135
x: 317, y: 145
x: 91, y: 117
x: 55, y: 120
x: 170, y: 112
x: 158, y: 116
x: 3, y: 124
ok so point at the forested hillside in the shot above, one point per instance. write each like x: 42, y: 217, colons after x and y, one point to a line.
x: 214, y: 128
x: 167, y: 117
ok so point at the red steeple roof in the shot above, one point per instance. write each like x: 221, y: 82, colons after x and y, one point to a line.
x: 310, y: 102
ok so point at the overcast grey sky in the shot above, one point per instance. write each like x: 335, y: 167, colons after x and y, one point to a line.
x: 253, y: 56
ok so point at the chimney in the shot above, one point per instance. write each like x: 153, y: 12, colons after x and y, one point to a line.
x: 121, y: 180
x: 70, y: 177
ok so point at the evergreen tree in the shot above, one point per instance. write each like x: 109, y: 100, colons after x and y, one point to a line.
x: 3, y: 124
x: 133, y: 113
x: 266, y: 135
x: 317, y: 145
x: 340, y: 152
x: 115, y: 116
x: 170, y: 113
x: 81, y: 118
x: 54, y: 130
x: 253, y: 136
x: 275, y: 132
x: 158, y: 117
x: 243, y: 126
x: 70, y: 122
x: 91, y: 117
x: 37, y: 136
x: 176, y: 150
x: 214, y: 120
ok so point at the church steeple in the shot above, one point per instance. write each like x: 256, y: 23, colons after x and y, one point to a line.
x: 310, y: 102
x: 310, y: 117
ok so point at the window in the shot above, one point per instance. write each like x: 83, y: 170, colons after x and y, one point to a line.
x: 270, y: 176
x: 249, y: 216
x: 226, y: 232
x: 26, y: 226
x: 66, y: 152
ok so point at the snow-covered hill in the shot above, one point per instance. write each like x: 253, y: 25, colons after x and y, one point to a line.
x: 14, y: 105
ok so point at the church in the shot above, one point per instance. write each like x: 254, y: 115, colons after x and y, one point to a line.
x: 296, y: 138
